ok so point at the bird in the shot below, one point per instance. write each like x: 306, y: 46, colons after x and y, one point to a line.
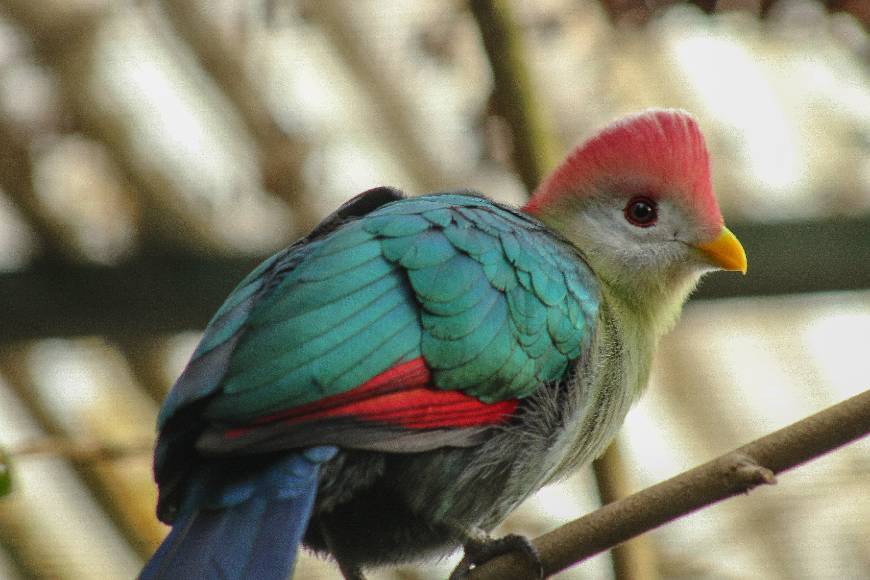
x: 388, y: 388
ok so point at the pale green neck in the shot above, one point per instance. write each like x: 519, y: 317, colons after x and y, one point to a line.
x: 652, y: 308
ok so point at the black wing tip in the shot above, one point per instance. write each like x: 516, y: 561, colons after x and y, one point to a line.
x: 356, y: 207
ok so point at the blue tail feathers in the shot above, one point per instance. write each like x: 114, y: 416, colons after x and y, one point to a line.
x: 248, y: 526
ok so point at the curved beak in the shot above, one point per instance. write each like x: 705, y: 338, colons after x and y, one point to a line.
x: 725, y: 252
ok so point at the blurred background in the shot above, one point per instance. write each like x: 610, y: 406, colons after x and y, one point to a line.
x: 153, y: 151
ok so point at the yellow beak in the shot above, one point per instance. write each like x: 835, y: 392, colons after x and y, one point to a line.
x: 726, y: 252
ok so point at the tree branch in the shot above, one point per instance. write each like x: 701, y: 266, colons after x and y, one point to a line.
x: 77, y: 436
x: 76, y: 449
x: 534, y: 148
x: 16, y: 180
x: 736, y: 472
x: 637, y: 558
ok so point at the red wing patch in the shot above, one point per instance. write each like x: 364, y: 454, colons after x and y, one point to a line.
x: 402, y: 396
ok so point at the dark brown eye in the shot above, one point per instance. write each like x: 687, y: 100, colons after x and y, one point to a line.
x: 642, y: 212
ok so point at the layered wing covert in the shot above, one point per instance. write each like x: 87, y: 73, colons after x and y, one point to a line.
x: 478, y: 298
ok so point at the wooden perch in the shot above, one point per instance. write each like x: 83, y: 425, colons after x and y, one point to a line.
x: 731, y: 474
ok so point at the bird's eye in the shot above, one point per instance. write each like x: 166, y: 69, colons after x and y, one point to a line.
x: 641, y: 212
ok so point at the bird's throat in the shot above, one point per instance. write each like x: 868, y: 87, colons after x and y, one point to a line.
x: 650, y: 309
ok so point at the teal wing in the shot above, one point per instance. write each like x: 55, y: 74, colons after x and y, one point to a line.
x: 205, y: 373
x: 505, y: 306
x: 396, y: 325
x: 494, y: 303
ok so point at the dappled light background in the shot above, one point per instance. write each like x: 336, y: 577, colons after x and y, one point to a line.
x: 151, y: 152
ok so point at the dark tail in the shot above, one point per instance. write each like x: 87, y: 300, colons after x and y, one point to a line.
x: 249, y: 528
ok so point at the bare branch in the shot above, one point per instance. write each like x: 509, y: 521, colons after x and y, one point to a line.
x: 736, y: 472
x: 635, y: 559
x: 112, y: 484
x: 16, y: 179
x: 78, y: 450
x: 534, y: 148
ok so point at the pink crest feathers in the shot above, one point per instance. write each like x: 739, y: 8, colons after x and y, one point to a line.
x: 659, y: 153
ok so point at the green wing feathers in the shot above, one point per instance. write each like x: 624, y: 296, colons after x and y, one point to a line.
x: 494, y: 303
x: 504, y: 305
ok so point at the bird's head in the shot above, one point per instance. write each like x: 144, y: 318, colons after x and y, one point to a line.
x: 637, y: 200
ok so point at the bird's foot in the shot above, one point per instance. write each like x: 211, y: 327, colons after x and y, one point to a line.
x: 482, y: 548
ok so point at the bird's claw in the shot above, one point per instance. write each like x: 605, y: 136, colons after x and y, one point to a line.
x: 479, y: 551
